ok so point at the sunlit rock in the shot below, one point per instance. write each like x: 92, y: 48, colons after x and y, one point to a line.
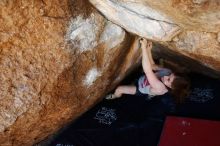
x: 188, y: 27
x: 201, y: 46
x: 57, y: 59
x: 138, y: 18
x: 197, y: 15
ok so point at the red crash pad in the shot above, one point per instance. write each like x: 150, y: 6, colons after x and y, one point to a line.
x: 178, y: 131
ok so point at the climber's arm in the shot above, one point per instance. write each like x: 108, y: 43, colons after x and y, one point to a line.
x: 156, y: 85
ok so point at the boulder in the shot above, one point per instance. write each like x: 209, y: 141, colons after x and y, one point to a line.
x: 189, y: 27
x: 57, y: 59
x: 138, y: 18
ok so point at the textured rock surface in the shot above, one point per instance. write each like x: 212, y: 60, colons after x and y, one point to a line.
x: 190, y: 27
x: 198, y: 15
x: 201, y: 46
x: 57, y: 58
x: 138, y: 18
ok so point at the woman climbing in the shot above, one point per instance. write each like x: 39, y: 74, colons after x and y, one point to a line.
x: 155, y: 81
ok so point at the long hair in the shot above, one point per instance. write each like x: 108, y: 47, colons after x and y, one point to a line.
x: 180, y: 87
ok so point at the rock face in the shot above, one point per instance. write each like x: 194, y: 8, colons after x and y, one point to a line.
x: 138, y: 18
x: 201, y: 46
x: 57, y: 58
x: 197, y: 15
x: 190, y: 27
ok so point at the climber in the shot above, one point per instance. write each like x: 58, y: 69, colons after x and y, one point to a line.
x: 156, y: 80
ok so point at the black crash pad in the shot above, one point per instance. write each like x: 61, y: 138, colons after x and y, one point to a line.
x: 136, y: 121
